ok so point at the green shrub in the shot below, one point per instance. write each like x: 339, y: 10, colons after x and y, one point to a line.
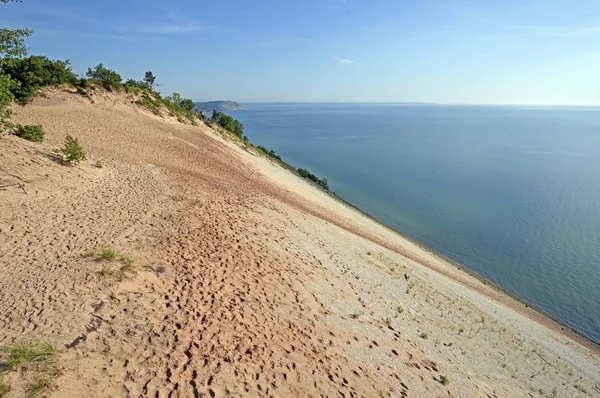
x: 310, y: 176
x: 108, y: 78
x: 34, y: 72
x: 6, y: 98
x: 72, y: 151
x: 33, y: 133
x: 228, y: 123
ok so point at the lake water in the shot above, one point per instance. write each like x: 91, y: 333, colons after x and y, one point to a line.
x: 512, y: 193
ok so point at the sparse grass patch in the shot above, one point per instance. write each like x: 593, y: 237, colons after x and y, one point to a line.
x: 109, y: 254
x: 40, y: 384
x: 388, y: 321
x: 4, y: 388
x: 37, y: 352
x: 444, y: 380
x: 424, y: 335
x: 98, y: 165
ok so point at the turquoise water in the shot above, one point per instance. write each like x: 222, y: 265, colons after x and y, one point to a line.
x: 512, y: 193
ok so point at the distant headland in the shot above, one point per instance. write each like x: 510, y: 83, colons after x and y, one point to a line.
x: 219, y: 105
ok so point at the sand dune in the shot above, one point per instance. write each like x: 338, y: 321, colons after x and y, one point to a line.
x: 248, y: 281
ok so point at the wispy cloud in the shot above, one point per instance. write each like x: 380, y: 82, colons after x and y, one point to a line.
x: 346, y: 61
x: 170, y: 28
x: 561, y: 31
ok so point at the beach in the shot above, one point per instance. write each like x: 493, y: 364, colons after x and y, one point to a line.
x: 248, y: 280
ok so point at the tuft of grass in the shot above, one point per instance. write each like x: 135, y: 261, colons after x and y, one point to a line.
x: 399, y: 309
x: 109, y: 254
x: 388, y: 321
x: 4, y: 388
x: 444, y: 380
x: 37, y: 352
x: 98, y: 165
x: 424, y: 335
x: 40, y: 384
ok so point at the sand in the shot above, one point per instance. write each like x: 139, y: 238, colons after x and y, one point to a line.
x: 248, y: 281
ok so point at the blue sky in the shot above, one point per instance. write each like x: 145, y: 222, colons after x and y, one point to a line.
x: 443, y: 51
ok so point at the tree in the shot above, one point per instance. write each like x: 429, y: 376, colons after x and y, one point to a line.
x: 107, y: 77
x: 150, y: 80
x: 6, y: 98
x: 12, y: 42
x: 187, y: 104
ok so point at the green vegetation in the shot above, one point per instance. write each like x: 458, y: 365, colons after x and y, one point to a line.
x: 72, y: 152
x: 444, y: 380
x: 228, y: 123
x: 310, y: 176
x: 424, y: 335
x: 269, y: 152
x: 12, y: 42
x: 107, y: 78
x: 33, y: 133
x: 32, y: 73
x: 110, y: 255
x: 41, y: 383
x: 4, y: 388
x: 37, y: 352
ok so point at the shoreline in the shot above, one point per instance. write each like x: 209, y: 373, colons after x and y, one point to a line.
x: 524, y: 308
x: 490, y: 289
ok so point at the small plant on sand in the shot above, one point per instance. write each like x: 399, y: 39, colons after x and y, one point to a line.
x: 388, y: 321
x: 444, y: 380
x: 424, y: 335
x: 33, y: 133
x: 41, y: 383
x: 355, y: 315
x: 399, y: 309
x: 108, y: 254
x: 98, y: 165
x: 4, y: 388
x: 580, y: 388
x: 37, y: 352
x: 72, y: 152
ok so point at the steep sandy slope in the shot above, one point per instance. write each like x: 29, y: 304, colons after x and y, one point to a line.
x: 248, y: 281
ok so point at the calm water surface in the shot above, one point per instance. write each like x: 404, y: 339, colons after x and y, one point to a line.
x: 512, y: 193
